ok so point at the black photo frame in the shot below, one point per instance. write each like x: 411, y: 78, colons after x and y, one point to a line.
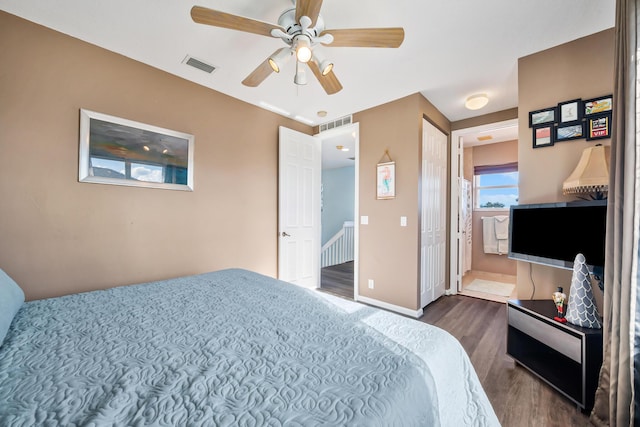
x: 569, y: 112
x: 569, y: 132
x: 543, y: 116
x: 598, y: 106
x: 598, y: 127
x: 543, y: 135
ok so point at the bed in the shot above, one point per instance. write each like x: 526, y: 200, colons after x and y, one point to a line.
x: 230, y: 348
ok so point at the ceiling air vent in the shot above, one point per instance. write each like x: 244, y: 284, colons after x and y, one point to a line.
x: 196, y: 63
x: 343, y: 121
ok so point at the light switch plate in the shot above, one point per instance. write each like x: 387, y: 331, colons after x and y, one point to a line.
x: 364, y: 220
x: 403, y: 221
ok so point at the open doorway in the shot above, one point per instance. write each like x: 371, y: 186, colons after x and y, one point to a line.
x: 488, y: 186
x: 338, y: 211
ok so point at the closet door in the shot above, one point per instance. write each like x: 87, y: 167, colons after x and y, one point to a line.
x: 433, y: 229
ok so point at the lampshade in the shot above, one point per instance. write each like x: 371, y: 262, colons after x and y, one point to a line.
x: 592, y: 173
x: 476, y: 102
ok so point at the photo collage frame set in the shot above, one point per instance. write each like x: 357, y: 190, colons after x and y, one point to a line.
x: 574, y: 119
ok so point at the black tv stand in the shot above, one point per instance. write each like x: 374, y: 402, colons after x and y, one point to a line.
x: 565, y: 356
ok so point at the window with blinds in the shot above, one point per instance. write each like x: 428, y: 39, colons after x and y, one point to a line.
x: 495, y: 186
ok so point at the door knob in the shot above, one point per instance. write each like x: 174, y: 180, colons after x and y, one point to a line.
x: 285, y: 234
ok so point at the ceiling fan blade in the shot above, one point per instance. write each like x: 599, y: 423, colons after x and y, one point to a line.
x: 329, y: 82
x: 202, y: 15
x: 366, y: 37
x: 261, y: 72
x: 310, y: 8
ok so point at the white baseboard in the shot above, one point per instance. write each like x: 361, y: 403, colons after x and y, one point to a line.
x: 391, y: 307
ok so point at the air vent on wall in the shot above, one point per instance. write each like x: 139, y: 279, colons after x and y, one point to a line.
x: 196, y: 63
x: 343, y: 121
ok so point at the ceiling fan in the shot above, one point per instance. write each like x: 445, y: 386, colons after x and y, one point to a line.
x: 302, y: 29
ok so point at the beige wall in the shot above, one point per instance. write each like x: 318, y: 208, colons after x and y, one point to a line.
x: 467, y: 165
x: 482, y: 155
x: 579, y: 69
x: 485, y: 119
x: 389, y: 253
x: 59, y: 236
x: 498, y: 153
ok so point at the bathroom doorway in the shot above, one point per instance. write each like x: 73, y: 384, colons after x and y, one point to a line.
x: 488, y: 186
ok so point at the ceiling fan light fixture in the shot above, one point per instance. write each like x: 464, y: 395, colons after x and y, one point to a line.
x: 278, y: 59
x: 325, y: 65
x: 303, y: 48
x: 301, y: 76
x: 302, y: 29
x: 476, y: 102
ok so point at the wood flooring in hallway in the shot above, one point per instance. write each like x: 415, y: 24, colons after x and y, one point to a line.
x: 338, y: 279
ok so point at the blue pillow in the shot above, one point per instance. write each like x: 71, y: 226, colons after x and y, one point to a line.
x: 11, y: 299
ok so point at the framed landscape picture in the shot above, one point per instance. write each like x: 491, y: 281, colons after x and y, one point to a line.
x: 119, y: 151
x: 539, y: 117
x: 567, y: 133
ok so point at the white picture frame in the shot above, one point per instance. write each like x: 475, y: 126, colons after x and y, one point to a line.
x: 119, y: 151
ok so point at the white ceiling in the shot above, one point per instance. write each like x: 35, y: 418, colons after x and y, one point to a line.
x: 452, y: 48
x: 483, y: 135
x: 332, y: 157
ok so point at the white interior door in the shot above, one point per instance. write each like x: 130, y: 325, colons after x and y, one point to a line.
x: 299, y: 181
x: 433, y: 232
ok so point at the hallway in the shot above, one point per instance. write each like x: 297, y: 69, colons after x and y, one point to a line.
x: 338, y: 279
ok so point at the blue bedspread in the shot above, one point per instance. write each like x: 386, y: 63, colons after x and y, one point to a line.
x: 230, y: 348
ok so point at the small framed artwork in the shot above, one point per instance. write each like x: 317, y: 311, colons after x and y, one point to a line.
x: 386, y: 180
x: 543, y: 136
x: 570, y: 112
x: 540, y: 117
x: 567, y: 133
x: 599, y: 127
x: 604, y: 104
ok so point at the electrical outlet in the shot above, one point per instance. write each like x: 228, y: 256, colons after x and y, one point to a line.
x: 403, y: 221
x: 370, y: 283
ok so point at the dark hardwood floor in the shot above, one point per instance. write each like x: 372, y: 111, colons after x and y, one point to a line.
x: 338, y: 279
x: 519, y: 398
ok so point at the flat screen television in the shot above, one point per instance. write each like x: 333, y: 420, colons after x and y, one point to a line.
x: 554, y: 233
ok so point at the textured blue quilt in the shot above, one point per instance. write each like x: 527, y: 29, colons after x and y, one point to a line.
x: 230, y: 348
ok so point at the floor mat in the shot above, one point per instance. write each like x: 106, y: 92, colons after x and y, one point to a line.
x: 490, y: 287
